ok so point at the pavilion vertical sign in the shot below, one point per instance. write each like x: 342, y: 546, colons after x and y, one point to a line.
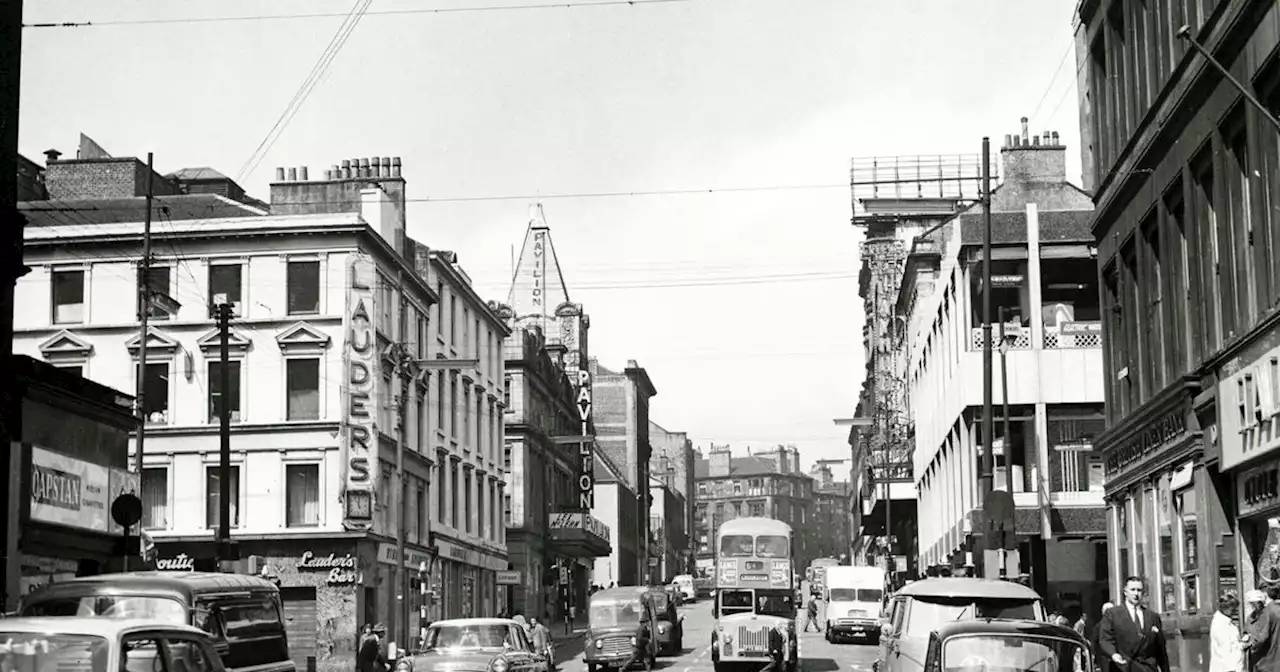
x: 586, y: 451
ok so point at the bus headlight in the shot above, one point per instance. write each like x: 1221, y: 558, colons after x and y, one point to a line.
x: 634, y: 641
x: 599, y: 643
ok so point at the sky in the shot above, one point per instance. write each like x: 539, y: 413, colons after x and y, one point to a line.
x: 741, y: 304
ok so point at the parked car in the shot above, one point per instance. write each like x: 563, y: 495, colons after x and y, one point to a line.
x: 1031, y: 646
x: 476, y: 645
x: 104, y: 645
x: 919, y: 608
x: 241, y: 613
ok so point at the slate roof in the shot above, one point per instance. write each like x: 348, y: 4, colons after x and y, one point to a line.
x: 81, y: 212
x: 200, y: 173
x: 739, y: 466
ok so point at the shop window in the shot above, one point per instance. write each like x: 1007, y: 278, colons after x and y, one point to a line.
x: 1189, y: 547
x: 1010, y: 294
x: 302, y: 378
x: 68, y: 296
x: 155, y: 389
x: 155, y: 498
x: 216, y: 395
x: 1074, y: 466
x: 302, y: 495
x: 1140, y: 532
x: 1069, y: 307
x: 225, y: 279
x: 213, y: 488
x: 303, y: 287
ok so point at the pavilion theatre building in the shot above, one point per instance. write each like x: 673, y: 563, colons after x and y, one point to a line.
x: 1185, y: 172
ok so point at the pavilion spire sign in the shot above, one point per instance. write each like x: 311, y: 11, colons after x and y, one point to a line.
x: 586, y: 451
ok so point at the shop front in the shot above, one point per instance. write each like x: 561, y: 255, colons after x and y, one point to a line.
x: 1166, y: 513
x: 326, y: 588
x: 578, y: 539
x: 468, y: 579
x: 72, y: 454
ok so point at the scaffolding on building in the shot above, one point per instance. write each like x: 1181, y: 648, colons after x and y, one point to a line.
x: 955, y: 177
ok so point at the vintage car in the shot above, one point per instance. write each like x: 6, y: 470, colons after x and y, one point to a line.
x: 670, y: 624
x: 476, y: 645
x: 1007, y: 646
x: 620, y: 632
x: 917, y: 609
x: 88, y: 644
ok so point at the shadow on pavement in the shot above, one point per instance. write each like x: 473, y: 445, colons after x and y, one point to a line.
x: 818, y: 664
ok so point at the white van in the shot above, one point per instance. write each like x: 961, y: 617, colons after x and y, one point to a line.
x: 685, y: 583
x: 855, y: 599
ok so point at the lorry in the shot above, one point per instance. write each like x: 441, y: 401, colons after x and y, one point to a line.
x: 855, y: 598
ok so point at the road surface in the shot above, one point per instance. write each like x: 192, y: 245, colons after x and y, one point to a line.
x: 816, y: 654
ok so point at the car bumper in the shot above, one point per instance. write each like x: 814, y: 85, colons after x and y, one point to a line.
x: 619, y: 660
x: 852, y: 628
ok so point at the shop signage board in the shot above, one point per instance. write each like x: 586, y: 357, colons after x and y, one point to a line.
x: 451, y: 551
x: 586, y: 449
x: 341, y: 568
x: 360, y: 398
x: 178, y: 563
x: 566, y: 520
x: 1250, y: 410
x: 70, y: 492
x: 507, y: 578
x: 413, y: 559
x: 1135, y: 448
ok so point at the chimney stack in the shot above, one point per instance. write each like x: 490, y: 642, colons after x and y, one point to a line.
x: 302, y: 173
x: 1025, y: 138
x: 293, y: 174
x: 279, y: 174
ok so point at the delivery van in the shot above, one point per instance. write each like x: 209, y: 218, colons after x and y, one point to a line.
x: 855, y: 599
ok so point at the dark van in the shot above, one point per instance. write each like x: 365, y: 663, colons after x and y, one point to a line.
x: 241, y: 613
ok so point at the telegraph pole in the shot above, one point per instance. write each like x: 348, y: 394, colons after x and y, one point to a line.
x: 988, y: 424
x: 144, y: 308
x: 224, y: 549
x: 402, y: 509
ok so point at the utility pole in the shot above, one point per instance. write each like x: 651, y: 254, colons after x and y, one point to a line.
x: 11, y: 268
x: 1004, y: 418
x: 224, y: 550
x: 988, y: 424
x: 144, y: 308
x: 399, y: 617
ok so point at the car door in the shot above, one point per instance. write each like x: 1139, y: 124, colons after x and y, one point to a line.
x: 143, y: 652
x: 522, y: 657
x: 889, y: 652
x: 188, y: 653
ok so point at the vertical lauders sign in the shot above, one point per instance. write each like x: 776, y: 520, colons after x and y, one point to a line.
x: 359, y: 400
x: 586, y: 450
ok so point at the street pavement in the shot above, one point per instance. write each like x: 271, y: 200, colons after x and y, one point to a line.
x: 816, y: 654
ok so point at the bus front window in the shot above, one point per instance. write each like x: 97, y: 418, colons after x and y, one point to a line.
x: 772, y: 546
x: 735, y: 602
x: 735, y: 546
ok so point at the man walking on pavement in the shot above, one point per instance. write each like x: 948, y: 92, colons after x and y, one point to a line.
x: 811, y: 613
x: 1131, y: 635
x: 540, y: 637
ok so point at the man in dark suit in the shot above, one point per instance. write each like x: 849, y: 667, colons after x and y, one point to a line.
x: 1131, y: 635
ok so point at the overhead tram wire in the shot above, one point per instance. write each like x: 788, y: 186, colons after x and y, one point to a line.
x: 334, y: 15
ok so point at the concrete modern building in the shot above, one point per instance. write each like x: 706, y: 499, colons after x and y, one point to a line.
x: 321, y: 288
x: 767, y: 483
x: 672, y: 463
x: 620, y: 410
x: 1184, y: 172
x: 553, y: 541
x: 1043, y: 284
x: 468, y: 532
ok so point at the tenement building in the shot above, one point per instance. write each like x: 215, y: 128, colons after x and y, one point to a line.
x: 1185, y: 169
x: 1044, y: 302
x: 671, y: 463
x: 329, y: 304
x: 830, y: 521
x: 766, y: 483
x: 552, y: 540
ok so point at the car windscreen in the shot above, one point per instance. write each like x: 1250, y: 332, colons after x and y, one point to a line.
x: 856, y: 595
x: 613, y: 614
x: 43, y: 652
x: 165, y: 609
x: 1012, y: 653
x: 924, y: 614
x: 486, y: 636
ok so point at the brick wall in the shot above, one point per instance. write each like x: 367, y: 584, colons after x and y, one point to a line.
x: 124, y: 177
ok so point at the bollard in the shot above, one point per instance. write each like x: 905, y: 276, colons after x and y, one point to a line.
x: 311, y: 664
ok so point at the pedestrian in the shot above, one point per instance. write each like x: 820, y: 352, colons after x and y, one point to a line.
x: 540, y: 637
x: 1263, y: 630
x: 811, y: 614
x: 1131, y: 635
x: 1226, y: 652
x: 369, y: 656
x: 1103, y: 662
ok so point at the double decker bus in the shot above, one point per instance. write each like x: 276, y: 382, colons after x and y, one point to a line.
x: 816, y: 574
x: 755, y: 599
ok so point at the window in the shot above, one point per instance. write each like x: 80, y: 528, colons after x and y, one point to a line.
x: 757, y: 509
x: 1010, y: 296
x: 1238, y: 267
x: 213, y: 486
x: 441, y: 502
x: 466, y: 415
x: 421, y: 516
x: 453, y: 405
x: 440, y: 309
x: 224, y: 279
x: 1069, y: 306
x: 155, y: 498
x: 457, y: 494
x: 1015, y: 455
x: 158, y: 286
x: 482, y: 527
x: 506, y: 509
x: 1205, y: 224
x: 302, y: 378
x: 1134, y: 326
x: 77, y: 369
x: 304, y: 287
x: 302, y: 495
x: 1071, y: 433
x: 1167, y: 598
x: 479, y: 421
x: 1186, y: 510
x: 68, y: 297
x: 1121, y: 512
x: 216, y: 394
x: 155, y: 392
x: 453, y: 320
x: 1178, y: 272
x: 440, y: 395
x: 421, y: 338
x: 467, y: 493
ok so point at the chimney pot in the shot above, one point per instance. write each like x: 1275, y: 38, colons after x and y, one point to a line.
x: 395, y: 166
x: 364, y: 167
x: 328, y: 174
x: 302, y: 173
x: 1026, y: 139
x: 375, y: 166
x: 1017, y: 141
x: 293, y: 174
x: 1055, y: 138
x: 51, y: 155
x: 335, y: 172
x: 346, y: 163
x: 1035, y: 141
x: 1008, y: 140
x: 279, y: 174
x: 386, y: 165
